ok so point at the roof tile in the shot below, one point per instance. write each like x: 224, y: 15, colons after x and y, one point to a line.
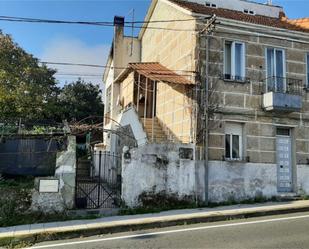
x: 280, y: 22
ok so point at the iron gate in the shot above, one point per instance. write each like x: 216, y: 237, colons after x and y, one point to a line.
x: 98, y: 182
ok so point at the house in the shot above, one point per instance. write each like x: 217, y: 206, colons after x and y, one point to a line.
x: 254, y: 68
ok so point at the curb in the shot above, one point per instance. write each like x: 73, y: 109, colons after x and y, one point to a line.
x: 28, y: 240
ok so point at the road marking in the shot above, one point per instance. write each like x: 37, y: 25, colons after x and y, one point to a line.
x: 167, y: 232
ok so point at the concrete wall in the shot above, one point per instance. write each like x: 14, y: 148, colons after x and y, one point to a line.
x: 240, y: 181
x: 157, y: 168
x: 302, y: 179
x: 65, y: 173
x: 174, y: 111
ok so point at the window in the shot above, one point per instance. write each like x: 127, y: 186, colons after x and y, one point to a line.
x: 233, y: 141
x: 251, y: 12
x: 307, y: 59
x: 208, y: 4
x: 283, y: 132
x: 275, y: 60
x: 234, y: 61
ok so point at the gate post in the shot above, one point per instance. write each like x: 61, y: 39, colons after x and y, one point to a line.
x: 99, y: 185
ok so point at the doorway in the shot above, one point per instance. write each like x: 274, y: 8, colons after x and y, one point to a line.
x: 284, y: 160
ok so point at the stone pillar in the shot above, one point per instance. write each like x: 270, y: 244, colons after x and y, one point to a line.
x: 65, y: 173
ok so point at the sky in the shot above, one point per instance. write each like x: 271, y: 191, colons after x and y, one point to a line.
x: 79, y: 43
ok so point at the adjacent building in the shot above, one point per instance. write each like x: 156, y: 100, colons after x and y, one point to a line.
x: 245, y: 83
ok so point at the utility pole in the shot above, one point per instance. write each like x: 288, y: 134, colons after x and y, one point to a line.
x: 208, y: 29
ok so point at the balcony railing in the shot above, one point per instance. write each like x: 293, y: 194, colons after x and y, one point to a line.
x: 283, y: 85
x: 282, y: 94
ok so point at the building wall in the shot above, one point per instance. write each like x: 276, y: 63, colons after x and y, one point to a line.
x: 176, y: 50
x: 127, y: 90
x: 174, y: 111
x: 242, y: 103
x: 173, y: 49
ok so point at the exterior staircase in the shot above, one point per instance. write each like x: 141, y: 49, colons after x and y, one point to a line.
x: 83, y: 169
x: 159, y: 135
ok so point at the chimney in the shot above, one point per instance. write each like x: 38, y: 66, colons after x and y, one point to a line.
x: 118, y: 27
x: 269, y: 2
x: 118, y: 43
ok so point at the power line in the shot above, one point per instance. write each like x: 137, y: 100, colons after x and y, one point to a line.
x: 108, y: 67
x: 103, y: 24
x: 78, y: 74
x: 95, y: 22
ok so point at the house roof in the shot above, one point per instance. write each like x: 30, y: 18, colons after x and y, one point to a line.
x: 155, y: 71
x: 281, y: 22
x: 303, y: 22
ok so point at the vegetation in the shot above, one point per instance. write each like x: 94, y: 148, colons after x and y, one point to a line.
x: 15, y: 207
x: 157, y: 202
x: 29, y: 90
x: 80, y: 100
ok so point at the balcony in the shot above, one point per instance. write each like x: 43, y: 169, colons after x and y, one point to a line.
x: 282, y: 94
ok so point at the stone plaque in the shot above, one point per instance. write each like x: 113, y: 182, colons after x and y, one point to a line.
x: 49, y: 186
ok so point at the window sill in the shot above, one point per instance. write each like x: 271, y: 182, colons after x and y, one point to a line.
x: 236, y: 81
x: 233, y: 79
x: 241, y: 160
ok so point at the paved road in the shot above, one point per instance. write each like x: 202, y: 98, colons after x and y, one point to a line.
x: 286, y: 231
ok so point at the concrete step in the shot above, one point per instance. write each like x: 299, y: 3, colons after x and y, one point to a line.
x: 154, y: 130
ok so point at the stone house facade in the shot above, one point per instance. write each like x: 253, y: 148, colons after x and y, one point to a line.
x: 256, y: 68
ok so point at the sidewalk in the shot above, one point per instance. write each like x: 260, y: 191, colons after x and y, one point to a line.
x: 70, y: 229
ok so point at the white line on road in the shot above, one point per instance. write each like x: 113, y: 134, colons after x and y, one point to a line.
x: 167, y: 232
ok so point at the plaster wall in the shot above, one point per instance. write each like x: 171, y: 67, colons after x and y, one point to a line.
x: 154, y: 168
x: 241, y: 181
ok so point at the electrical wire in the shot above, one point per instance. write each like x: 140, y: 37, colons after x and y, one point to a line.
x: 108, y: 67
x: 103, y: 24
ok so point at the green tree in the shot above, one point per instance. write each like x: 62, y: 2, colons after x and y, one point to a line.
x: 80, y: 100
x: 27, y: 90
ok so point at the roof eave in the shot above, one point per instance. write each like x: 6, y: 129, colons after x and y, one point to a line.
x: 124, y: 73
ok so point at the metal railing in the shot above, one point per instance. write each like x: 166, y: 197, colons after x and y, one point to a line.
x: 283, y: 85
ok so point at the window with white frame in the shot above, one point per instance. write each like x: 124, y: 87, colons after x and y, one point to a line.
x: 307, y: 60
x: 276, y: 70
x: 234, y: 61
x: 233, y: 141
